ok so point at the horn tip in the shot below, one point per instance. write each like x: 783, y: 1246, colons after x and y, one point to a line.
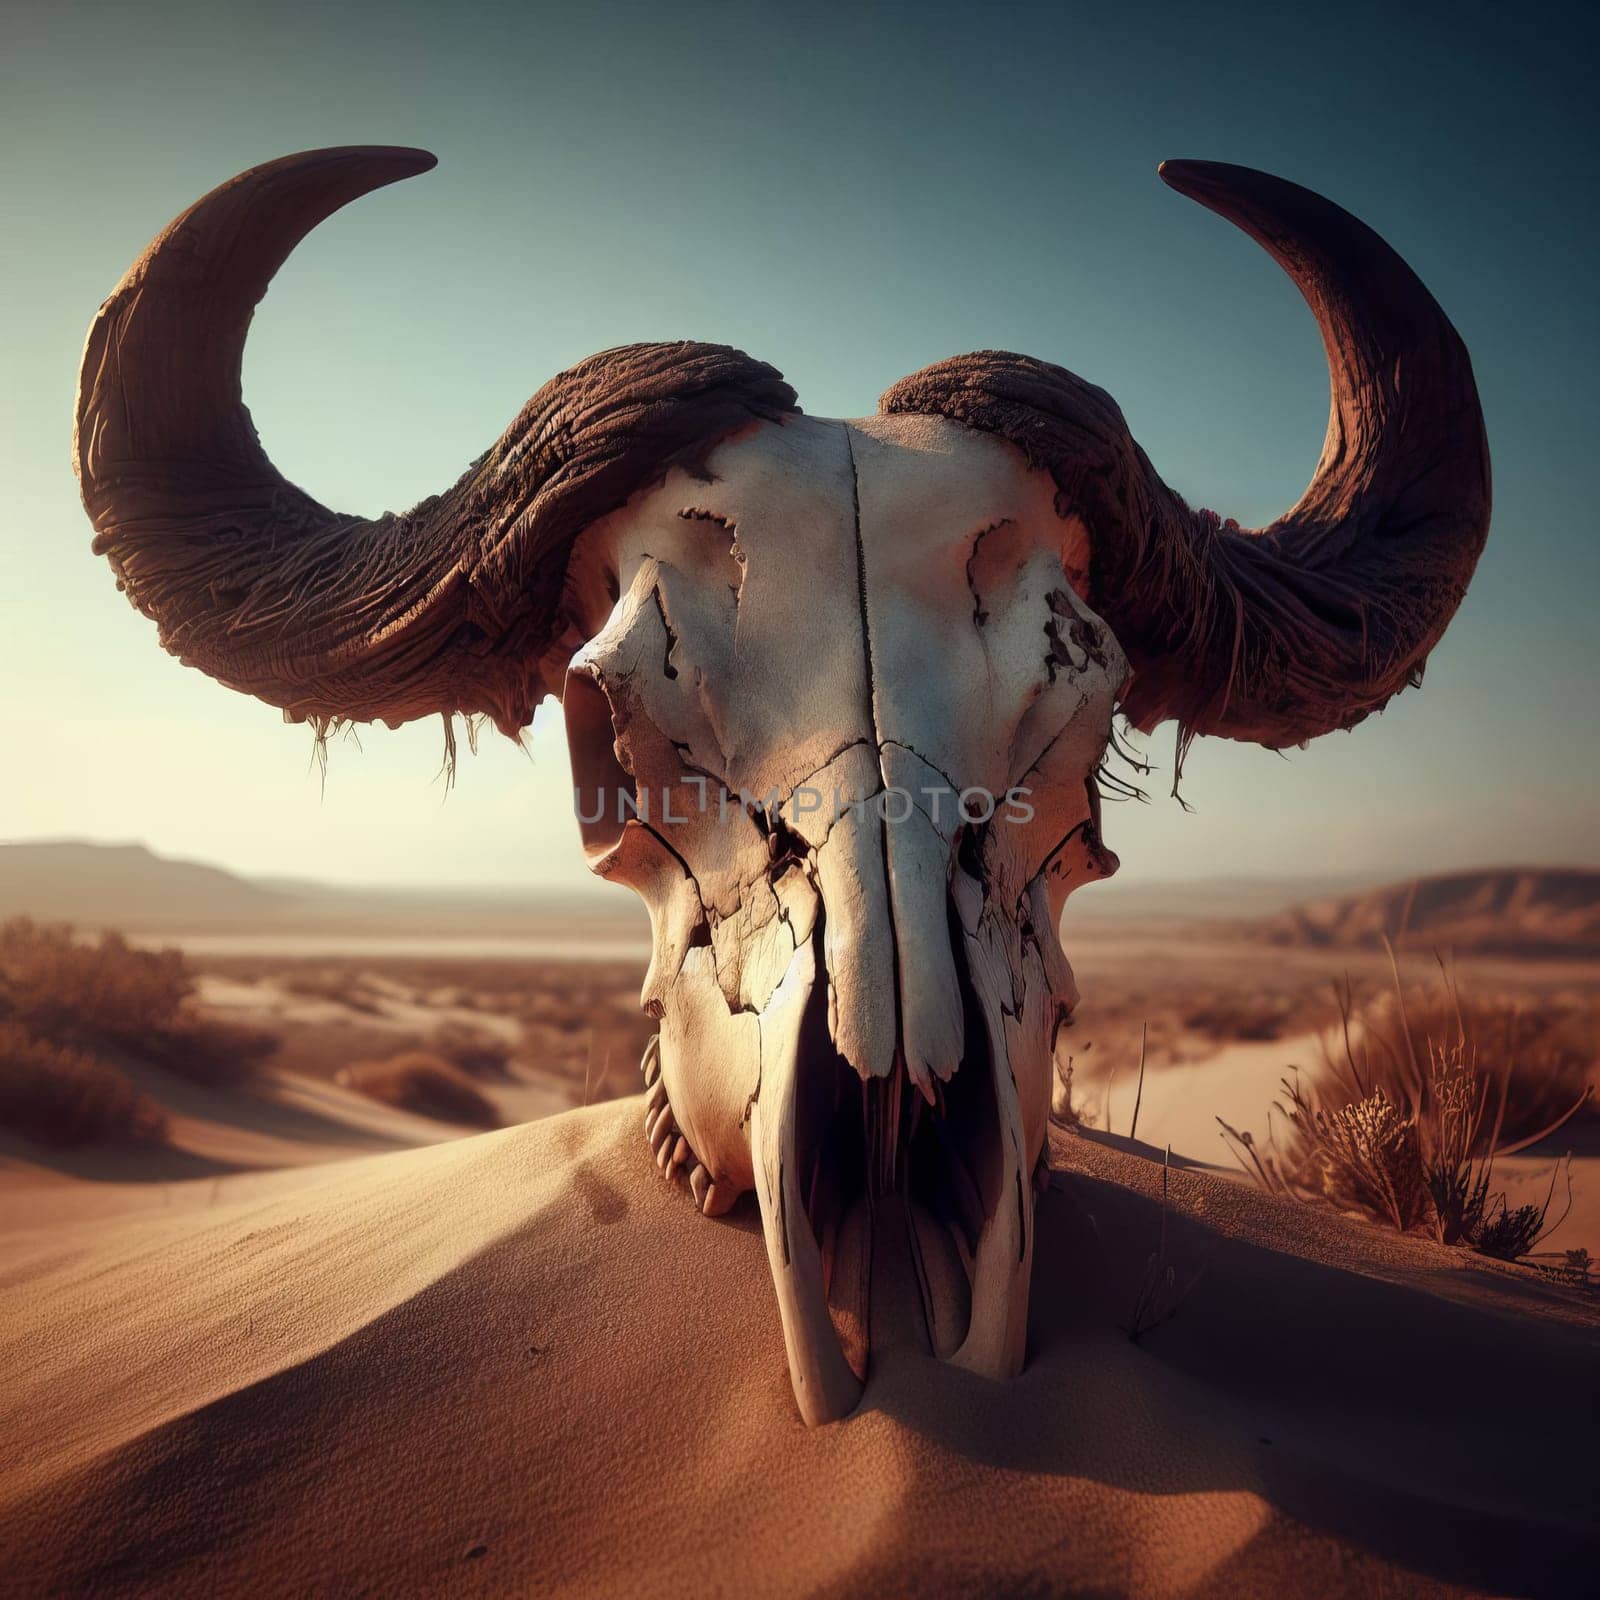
x: 410, y: 156
x: 381, y: 163
x: 1187, y: 176
x: 405, y: 161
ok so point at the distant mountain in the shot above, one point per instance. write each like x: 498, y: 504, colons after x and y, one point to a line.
x: 1128, y: 900
x: 1545, y: 911
x: 67, y: 880
x: 130, y: 887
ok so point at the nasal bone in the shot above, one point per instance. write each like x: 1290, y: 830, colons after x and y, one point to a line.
x: 894, y: 991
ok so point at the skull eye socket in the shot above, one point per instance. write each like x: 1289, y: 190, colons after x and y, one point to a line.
x: 603, y: 789
x: 996, y: 556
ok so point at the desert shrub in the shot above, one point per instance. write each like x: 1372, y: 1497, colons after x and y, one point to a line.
x: 426, y: 1084
x: 210, y: 1050
x: 88, y: 998
x: 1406, y: 1126
x: 57, y: 1095
x: 479, y: 1054
x: 63, y: 989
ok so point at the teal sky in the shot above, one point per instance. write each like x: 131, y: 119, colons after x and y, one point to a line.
x: 848, y: 193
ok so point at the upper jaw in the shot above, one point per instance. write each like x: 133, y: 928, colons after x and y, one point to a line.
x: 847, y: 1166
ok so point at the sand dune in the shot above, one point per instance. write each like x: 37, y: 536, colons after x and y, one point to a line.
x: 520, y: 1363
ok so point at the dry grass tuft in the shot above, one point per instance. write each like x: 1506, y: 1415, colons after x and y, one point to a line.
x: 1547, y: 1052
x: 1063, y: 1104
x: 1406, y: 1126
x: 1161, y: 1292
x: 427, y: 1084
x: 56, y: 1095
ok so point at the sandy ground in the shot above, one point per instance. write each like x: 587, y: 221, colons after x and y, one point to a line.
x: 317, y: 1345
x: 520, y: 1363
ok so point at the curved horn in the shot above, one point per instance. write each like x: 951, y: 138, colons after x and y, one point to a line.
x: 1282, y: 634
x: 249, y: 578
x: 334, y: 618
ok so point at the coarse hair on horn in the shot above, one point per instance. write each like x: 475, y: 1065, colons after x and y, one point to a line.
x: 1076, y: 433
x: 588, y: 441
x: 1279, y: 634
x: 339, y: 619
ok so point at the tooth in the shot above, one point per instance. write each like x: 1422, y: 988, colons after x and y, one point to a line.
x: 658, y: 1119
x: 719, y: 1198
x: 650, y: 1062
x: 652, y: 1106
x: 825, y: 1388
x: 699, y: 1185
x: 662, y: 1130
x: 680, y: 1153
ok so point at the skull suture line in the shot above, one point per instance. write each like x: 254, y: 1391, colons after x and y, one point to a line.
x: 836, y: 692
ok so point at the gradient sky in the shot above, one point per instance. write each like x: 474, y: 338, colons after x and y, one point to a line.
x: 848, y: 193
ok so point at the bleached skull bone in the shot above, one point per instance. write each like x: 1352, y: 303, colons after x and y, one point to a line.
x: 840, y: 731
x: 836, y: 692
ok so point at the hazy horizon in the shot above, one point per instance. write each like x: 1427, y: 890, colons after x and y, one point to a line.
x: 1189, y: 873
x: 847, y: 194
x: 271, y: 879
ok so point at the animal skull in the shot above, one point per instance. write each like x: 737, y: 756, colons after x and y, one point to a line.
x: 836, y: 692
x: 855, y: 825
